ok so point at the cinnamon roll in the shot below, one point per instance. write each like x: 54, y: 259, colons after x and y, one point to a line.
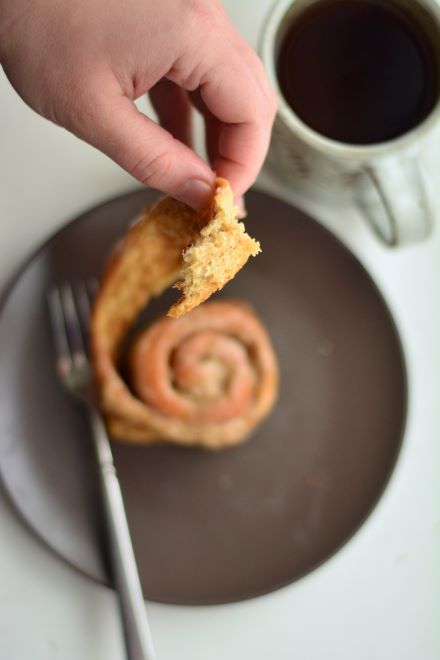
x: 207, y: 378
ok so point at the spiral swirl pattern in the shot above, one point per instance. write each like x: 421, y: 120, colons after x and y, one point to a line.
x: 211, y: 366
x: 207, y: 378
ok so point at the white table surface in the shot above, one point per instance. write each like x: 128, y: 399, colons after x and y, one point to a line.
x: 379, y: 597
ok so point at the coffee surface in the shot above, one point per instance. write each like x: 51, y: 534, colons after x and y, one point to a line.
x: 358, y: 71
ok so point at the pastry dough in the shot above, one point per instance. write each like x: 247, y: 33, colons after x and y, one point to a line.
x: 209, y: 248
x: 219, y: 251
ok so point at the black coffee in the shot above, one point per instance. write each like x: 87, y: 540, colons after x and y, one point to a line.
x: 358, y: 71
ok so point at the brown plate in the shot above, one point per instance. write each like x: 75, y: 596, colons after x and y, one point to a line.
x: 216, y: 527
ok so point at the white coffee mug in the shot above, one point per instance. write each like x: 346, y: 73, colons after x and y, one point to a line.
x: 384, y: 179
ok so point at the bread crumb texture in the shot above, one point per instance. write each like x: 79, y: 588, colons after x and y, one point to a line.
x: 220, y: 250
x: 169, y: 242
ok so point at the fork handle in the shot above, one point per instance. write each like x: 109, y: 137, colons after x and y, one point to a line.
x: 138, y: 640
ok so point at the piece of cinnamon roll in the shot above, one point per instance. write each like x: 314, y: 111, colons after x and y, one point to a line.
x: 207, y: 378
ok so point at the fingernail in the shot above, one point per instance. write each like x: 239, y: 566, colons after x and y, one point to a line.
x: 196, y: 193
x: 240, y: 203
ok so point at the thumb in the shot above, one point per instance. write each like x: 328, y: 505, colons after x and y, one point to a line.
x: 148, y: 152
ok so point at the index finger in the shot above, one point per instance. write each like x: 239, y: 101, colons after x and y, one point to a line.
x: 233, y: 93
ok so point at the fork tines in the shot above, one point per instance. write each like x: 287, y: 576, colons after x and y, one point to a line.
x: 69, y: 310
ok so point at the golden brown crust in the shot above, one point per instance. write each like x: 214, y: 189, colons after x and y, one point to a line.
x: 147, y: 261
x: 141, y: 421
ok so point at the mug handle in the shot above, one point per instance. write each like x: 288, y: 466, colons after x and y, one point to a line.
x: 395, y: 201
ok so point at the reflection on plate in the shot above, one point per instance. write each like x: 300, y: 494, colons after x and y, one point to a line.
x: 216, y: 527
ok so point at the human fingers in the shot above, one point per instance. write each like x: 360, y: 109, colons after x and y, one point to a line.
x: 173, y: 110
x: 213, y: 126
x: 146, y: 150
x: 233, y: 94
x: 253, y: 61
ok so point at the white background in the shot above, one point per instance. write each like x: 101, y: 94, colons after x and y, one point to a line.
x: 379, y: 597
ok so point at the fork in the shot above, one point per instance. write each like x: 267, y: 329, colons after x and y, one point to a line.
x: 69, y: 311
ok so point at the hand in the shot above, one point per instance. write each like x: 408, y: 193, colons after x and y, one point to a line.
x: 82, y: 63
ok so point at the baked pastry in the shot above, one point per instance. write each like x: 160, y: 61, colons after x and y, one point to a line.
x: 150, y: 258
x: 220, y: 250
x: 208, y: 378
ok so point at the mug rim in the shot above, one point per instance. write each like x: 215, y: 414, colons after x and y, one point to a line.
x: 308, y: 134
